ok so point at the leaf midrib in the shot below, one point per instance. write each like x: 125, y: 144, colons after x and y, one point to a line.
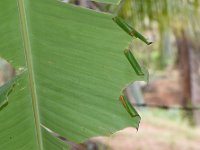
x: 29, y: 63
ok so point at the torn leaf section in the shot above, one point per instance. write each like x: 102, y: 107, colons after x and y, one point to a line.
x: 7, y: 71
x: 8, y: 87
x: 130, y: 30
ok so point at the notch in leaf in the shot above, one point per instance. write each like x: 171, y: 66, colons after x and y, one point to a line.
x: 136, y: 66
x: 130, y: 30
x: 128, y: 106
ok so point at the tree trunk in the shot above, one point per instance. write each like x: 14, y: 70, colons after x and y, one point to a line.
x: 184, y: 68
x: 195, y: 80
x: 185, y: 72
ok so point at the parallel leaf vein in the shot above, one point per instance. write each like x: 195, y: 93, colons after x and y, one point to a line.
x: 29, y: 63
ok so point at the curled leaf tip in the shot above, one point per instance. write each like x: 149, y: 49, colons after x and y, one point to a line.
x: 121, y: 23
x: 136, y: 66
x: 128, y: 106
x: 130, y: 30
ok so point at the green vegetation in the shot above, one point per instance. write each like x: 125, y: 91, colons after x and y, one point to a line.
x: 75, y: 72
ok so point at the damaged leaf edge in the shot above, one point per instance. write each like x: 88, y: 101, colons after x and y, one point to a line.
x: 10, y: 88
x: 130, y: 30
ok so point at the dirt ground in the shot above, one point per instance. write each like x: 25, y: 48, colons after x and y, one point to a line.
x: 154, y: 137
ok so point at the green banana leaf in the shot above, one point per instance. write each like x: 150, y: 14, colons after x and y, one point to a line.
x: 75, y: 72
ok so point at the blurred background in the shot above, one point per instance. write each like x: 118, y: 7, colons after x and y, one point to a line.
x: 169, y: 104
